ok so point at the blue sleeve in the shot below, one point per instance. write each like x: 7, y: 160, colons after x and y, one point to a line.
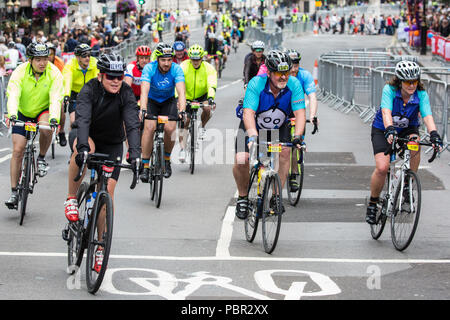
x: 148, y: 72
x: 298, y: 95
x: 387, y: 98
x: 251, y: 99
x: 177, y: 73
x: 308, y: 82
x: 425, y: 107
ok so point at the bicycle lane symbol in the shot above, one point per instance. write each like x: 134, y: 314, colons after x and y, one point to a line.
x: 167, y: 284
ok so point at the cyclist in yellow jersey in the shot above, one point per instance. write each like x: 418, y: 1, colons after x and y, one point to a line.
x: 35, y: 92
x: 76, y: 73
x: 201, y: 83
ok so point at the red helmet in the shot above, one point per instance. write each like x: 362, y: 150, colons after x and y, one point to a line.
x: 143, y: 51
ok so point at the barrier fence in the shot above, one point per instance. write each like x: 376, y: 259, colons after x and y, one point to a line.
x: 354, y: 80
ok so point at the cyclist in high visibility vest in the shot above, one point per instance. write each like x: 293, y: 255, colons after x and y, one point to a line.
x: 242, y: 24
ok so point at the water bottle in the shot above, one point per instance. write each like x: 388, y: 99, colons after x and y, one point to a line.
x: 89, y: 205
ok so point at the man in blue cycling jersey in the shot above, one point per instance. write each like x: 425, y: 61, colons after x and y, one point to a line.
x: 269, y: 100
x: 159, y: 80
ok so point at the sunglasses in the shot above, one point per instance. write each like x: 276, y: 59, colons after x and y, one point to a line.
x: 412, y: 82
x: 281, y: 73
x: 85, y: 55
x: 112, y: 78
x: 259, y: 50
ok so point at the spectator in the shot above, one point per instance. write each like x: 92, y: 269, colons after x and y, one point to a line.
x: 3, y: 47
x: 444, y: 28
x: 11, y: 56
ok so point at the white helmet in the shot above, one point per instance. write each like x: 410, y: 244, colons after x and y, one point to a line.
x: 258, y: 45
x: 407, y: 70
x: 211, y: 35
x: 220, y: 38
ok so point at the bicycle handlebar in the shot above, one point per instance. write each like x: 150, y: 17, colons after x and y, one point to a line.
x: 20, y: 123
x: 392, y: 148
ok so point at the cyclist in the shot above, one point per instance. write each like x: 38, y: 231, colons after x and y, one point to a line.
x: 104, y: 104
x: 212, y: 46
x: 403, y: 99
x: 235, y: 35
x: 180, y: 52
x: 227, y: 40
x: 159, y: 80
x: 253, y: 61
x: 134, y: 70
x: 76, y: 73
x: 35, y: 92
x: 59, y: 63
x: 269, y: 100
x: 201, y: 83
x: 222, y: 50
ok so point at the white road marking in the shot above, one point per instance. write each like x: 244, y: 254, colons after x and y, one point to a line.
x: 5, y: 149
x: 7, y: 157
x: 229, y: 84
x: 223, y: 244
x: 236, y: 258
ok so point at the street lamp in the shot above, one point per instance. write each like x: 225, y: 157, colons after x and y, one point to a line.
x: 16, y: 9
x: 9, y: 7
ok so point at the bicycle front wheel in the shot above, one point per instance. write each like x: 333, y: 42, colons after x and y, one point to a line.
x: 406, y: 211
x: 377, y: 229
x: 251, y: 222
x: 24, y: 187
x: 294, y: 192
x: 271, y: 213
x: 192, y: 145
x: 100, y: 238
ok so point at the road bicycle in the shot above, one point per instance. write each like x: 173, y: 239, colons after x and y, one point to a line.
x: 191, y: 139
x: 28, y: 174
x: 235, y: 43
x: 264, y: 195
x: 94, y: 203
x: 297, y: 166
x: 157, y: 163
x: 400, y: 200
x: 55, y: 141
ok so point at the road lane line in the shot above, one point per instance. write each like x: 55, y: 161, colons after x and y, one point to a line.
x: 229, y: 84
x: 223, y: 244
x: 7, y: 157
x: 236, y: 258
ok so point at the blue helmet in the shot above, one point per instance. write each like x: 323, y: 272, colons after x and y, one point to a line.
x: 179, y: 46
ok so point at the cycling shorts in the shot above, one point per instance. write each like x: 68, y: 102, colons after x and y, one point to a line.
x: 165, y: 108
x: 379, y: 142
x: 73, y: 102
x: 21, y: 117
x: 241, y: 142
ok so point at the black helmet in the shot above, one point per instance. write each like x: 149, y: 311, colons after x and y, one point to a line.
x: 111, y: 63
x: 294, y: 55
x: 37, y: 50
x: 50, y: 46
x: 82, y: 48
x: 278, y: 61
x: 164, y: 50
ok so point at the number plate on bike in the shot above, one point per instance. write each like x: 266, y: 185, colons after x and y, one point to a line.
x: 29, y: 126
x: 413, y: 146
x: 274, y: 148
x: 292, y: 121
x: 163, y: 119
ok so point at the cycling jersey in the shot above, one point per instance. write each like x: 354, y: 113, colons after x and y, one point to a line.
x: 185, y: 57
x: 162, y: 86
x: 31, y: 96
x: 199, y: 81
x: 59, y: 63
x: 403, y: 115
x: 272, y: 113
x: 306, y: 80
x: 135, y: 73
x: 75, y: 77
x: 251, y: 67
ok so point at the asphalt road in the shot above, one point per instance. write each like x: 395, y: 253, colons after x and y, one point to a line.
x: 193, y: 247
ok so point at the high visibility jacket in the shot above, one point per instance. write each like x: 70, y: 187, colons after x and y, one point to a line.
x: 199, y: 81
x: 74, y: 78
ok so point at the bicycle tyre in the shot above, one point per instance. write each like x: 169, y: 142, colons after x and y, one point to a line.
x: 151, y: 179
x: 294, y: 196
x: 271, y: 217
x: 75, y: 244
x: 53, y: 149
x: 400, y: 218
x: 159, y: 174
x: 251, y: 222
x: 94, y: 280
x: 24, y: 186
x: 377, y: 229
x: 192, y: 145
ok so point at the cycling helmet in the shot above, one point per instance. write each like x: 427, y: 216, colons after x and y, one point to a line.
x: 407, y: 70
x: 278, y: 61
x: 11, y: 44
x: 143, y: 51
x: 179, y: 46
x: 220, y: 38
x: 111, y: 63
x: 51, y: 46
x: 294, y: 55
x: 211, y: 35
x: 164, y: 50
x: 196, y: 52
x: 37, y: 50
x: 258, y: 45
x: 82, y: 48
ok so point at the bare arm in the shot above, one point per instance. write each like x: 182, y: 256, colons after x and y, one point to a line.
x: 181, y: 90
x: 249, y: 122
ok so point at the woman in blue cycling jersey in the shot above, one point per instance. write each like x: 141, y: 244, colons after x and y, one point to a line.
x: 403, y: 99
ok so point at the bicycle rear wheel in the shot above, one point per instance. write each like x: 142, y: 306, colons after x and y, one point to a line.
x: 94, y: 277
x: 251, y: 222
x: 75, y: 244
x: 294, y: 196
x: 24, y: 186
x: 377, y: 229
x: 406, y: 211
x: 192, y: 145
x: 271, y: 213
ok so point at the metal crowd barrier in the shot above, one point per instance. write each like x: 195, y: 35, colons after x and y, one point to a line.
x: 354, y: 80
x: 3, y: 84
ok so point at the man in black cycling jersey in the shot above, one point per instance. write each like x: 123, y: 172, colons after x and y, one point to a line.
x: 253, y: 61
x: 104, y: 105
